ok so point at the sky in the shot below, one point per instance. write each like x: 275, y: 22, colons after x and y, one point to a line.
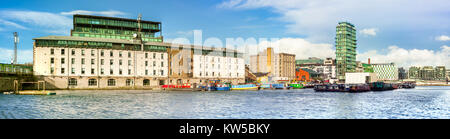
x: 406, y: 32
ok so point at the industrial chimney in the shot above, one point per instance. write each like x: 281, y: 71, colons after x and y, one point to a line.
x: 368, y: 62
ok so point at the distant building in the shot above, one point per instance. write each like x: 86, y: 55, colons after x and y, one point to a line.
x: 414, y: 73
x: 309, y: 63
x: 428, y: 73
x: 386, y: 72
x: 402, y: 74
x: 302, y: 75
x: 325, y: 68
x: 360, y: 78
x: 345, y: 49
x: 280, y: 66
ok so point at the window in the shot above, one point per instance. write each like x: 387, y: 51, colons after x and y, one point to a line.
x: 129, y: 82
x: 120, y: 62
x: 146, y: 63
x: 111, y: 54
x: 129, y: 62
x: 72, y: 82
x: 62, y: 70
x: 73, y: 52
x: 120, y: 71
x: 52, y: 60
x: 52, y: 51
x: 162, y: 72
x: 111, y: 82
x: 62, y: 52
x: 102, y: 61
x: 154, y: 72
x: 73, y: 70
x: 154, y: 64
x: 120, y: 53
x: 146, y: 82
x: 92, y: 71
x: 82, y: 61
x: 154, y: 55
x: 162, y: 64
x: 162, y: 56
x: 146, y: 72
x: 111, y: 62
x: 92, y: 61
x: 129, y: 54
x: 129, y: 71
x: 92, y: 53
x: 82, y: 52
x: 72, y: 61
x: 102, y: 71
x: 63, y: 61
x: 83, y: 70
x: 111, y: 71
x: 102, y: 53
x: 92, y: 82
x: 52, y: 70
x: 146, y: 55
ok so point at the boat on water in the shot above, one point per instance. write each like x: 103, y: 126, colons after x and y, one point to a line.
x: 296, y: 86
x: 222, y: 87
x: 380, y: 86
x: 359, y: 88
x: 280, y: 86
x: 244, y: 87
x: 265, y: 86
x: 183, y: 87
x: 320, y: 88
x: 408, y: 85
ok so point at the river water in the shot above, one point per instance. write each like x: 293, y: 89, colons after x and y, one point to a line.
x: 419, y: 103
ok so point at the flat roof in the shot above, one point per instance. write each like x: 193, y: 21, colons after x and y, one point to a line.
x: 73, y: 38
x: 114, y: 18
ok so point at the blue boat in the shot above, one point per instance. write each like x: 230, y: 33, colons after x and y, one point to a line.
x: 265, y: 86
x: 222, y: 87
x: 280, y: 86
x: 244, y: 87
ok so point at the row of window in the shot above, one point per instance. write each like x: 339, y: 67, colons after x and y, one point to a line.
x: 110, y: 22
x: 102, y: 53
x: 218, y: 66
x: 110, y: 82
x: 102, y: 71
x: 102, y: 62
x: 214, y: 75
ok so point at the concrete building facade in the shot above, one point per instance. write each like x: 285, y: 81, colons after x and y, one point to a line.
x: 280, y: 66
x: 106, y: 52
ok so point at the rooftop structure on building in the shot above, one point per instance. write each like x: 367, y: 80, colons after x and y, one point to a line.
x: 109, y: 52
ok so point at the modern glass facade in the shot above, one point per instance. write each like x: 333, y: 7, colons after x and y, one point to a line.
x: 115, y: 28
x: 345, y: 49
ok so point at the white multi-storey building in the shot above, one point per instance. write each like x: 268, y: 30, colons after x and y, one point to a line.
x: 75, y: 66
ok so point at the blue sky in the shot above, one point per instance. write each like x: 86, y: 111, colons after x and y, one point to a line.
x: 401, y: 31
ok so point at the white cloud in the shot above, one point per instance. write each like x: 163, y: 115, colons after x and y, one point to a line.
x: 369, y: 31
x: 302, y: 48
x: 23, y: 56
x: 11, y: 24
x: 48, y: 22
x: 104, y: 13
x: 406, y: 58
x: 317, y: 19
x: 443, y: 38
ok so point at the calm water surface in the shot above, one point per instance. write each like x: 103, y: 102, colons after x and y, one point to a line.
x: 418, y: 103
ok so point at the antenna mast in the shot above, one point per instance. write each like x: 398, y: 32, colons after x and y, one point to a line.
x: 16, y: 41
